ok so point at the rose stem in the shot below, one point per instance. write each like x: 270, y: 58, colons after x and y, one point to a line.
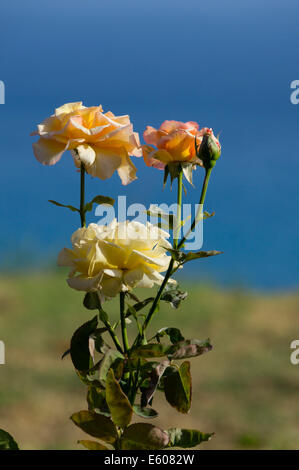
x: 123, y: 321
x: 83, y: 224
x: 82, y: 195
x: 170, y: 267
x: 175, y: 244
x: 201, y: 202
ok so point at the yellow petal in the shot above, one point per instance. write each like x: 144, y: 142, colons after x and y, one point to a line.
x: 68, y: 108
x: 105, y: 163
x: 65, y: 257
x: 114, y: 254
x: 127, y: 171
x: 48, y: 152
x: 133, y: 277
x: 111, y: 286
x: 163, y: 156
x: 86, y: 284
x: 86, y: 154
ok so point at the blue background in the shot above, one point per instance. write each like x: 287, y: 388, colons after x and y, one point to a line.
x: 225, y: 64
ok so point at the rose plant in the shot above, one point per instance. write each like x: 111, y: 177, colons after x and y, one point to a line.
x: 122, y: 377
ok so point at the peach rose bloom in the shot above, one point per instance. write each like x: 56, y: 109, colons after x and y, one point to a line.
x: 102, y: 141
x: 174, y: 142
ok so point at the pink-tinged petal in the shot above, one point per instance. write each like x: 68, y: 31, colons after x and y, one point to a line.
x: 48, y: 152
x: 190, y: 126
x: 157, y: 158
x: 135, y: 144
x: 204, y: 130
x: 171, y: 126
x: 151, y: 135
x: 148, y: 153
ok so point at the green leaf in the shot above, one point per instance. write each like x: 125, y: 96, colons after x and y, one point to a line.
x: 174, y: 296
x: 103, y: 200
x: 180, y: 350
x: 148, y: 413
x: 174, y: 334
x: 207, y: 215
x: 189, y: 348
x: 72, y: 208
x: 144, y: 436
x: 96, y: 425
x: 109, y: 359
x: 150, y: 350
x: 117, y: 401
x: 155, y: 373
x: 183, y: 257
x: 178, y: 388
x: 99, y: 200
x: 200, y: 254
x: 91, y: 301
x: 7, y: 442
x: 96, y: 400
x: 103, y: 316
x: 89, y: 378
x: 80, y: 345
x: 186, y: 438
x: 139, y: 306
x: 133, y: 312
x: 93, y: 445
x: 66, y: 353
x: 99, y: 343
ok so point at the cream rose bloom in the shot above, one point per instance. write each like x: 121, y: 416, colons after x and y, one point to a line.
x: 116, y: 258
x: 102, y: 141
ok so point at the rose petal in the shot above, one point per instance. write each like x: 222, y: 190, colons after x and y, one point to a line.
x: 86, y: 154
x: 68, y: 108
x: 151, y: 135
x: 111, y: 286
x: 48, y: 152
x: 127, y: 171
x: 105, y: 163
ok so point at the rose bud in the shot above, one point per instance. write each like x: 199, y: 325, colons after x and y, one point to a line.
x: 209, y: 150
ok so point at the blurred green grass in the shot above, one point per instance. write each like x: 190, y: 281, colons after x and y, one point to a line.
x: 245, y: 390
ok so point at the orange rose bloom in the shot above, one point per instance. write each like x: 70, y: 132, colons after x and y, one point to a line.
x: 174, y: 142
x: 101, y: 141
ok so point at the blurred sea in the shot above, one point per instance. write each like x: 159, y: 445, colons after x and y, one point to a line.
x: 224, y: 64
